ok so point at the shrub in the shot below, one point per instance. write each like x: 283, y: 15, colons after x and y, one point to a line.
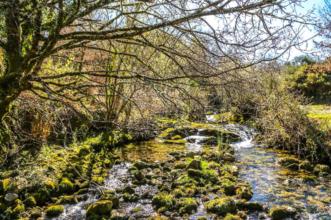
x: 312, y: 81
x: 279, y: 117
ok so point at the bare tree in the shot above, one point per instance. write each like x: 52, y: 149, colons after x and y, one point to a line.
x: 325, y: 28
x: 243, y: 31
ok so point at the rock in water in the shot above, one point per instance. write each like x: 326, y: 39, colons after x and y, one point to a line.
x: 9, y: 197
x: 282, y: 212
x: 99, y: 209
x: 195, y: 164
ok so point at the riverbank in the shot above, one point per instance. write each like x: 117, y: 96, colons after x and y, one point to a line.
x: 192, y: 170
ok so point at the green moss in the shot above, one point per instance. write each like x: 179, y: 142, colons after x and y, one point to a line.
x: 5, y: 184
x: 127, y: 197
x: 321, y: 169
x: 184, y: 180
x: 35, y: 213
x: 66, y: 186
x: 51, y: 185
x: 42, y: 195
x: 201, y: 171
x: 221, y: 206
x: 166, y: 133
x: 54, y: 210
x: 232, y: 217
x: 306, y: 165
x: 99, y: 209
x: 281, y: 212
x: 163, y: 200
x: 187, y: 205
x: 195, y: 164
x: 176, y: 137
x: 244, y: 192
x: 67, y: 200
x: 84, y: 150
x: 290, y: 163
x: 196, y: 174
x: 226, y: 117
x: 229, y: 187
x: 181, y: 141
x: 19, y: 208
x: 30, y: 201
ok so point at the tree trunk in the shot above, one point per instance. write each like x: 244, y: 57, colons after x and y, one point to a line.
x: 11, y: 82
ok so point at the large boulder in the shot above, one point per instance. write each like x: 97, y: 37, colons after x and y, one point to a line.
x: 221, y: 206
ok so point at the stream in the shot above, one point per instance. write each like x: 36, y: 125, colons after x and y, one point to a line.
x: 271, y: 183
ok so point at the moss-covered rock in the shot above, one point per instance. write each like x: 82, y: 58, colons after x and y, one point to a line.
x: 232, y: 217
x: 99, y: 209
x: 228, y: 157
x: 290, y: 163
x: 66, y: 186
x: 54, y: 210
x: 244, y: 192
x: 98, y: 179
x: 128, y: 197
x: 282, y: 212
x: 35, y: 213
x: 42, y: 196
x: 229, y: 187
x: 163, y: 200
x: 221, y: 206
x: 19, y: 208
x: 306, y: 165
x: 176, y: 137
x: 30, y: 201
x: 110, y: 195
x: 84, y: 150
x: 116, y: 215
x: 51, y: 186
x: 180, y: 141
x: 68, y: 200
x: 10, y: 197
x: 128, y: 189
x: 140, y: 165
x: 321, y: 169
x: 249, y: 206
x: 195, y: 164
x: 187, y: 205
x: 5, y: 185
x: 196, y: 174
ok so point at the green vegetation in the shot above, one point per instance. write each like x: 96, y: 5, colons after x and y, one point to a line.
x: 54, y: 210
x: 320, y: 114
x: 221, y: 206
x: 99, y: 209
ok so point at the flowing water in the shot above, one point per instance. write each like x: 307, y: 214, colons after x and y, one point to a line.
x: 275, y: 185
x: 272, y: 184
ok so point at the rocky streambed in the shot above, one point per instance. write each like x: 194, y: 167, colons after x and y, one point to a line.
x: 191, y: 171
x: 204, y: 173
x: 188, y: 173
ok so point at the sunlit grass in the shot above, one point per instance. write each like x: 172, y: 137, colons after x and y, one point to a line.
x: 320, y: 114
